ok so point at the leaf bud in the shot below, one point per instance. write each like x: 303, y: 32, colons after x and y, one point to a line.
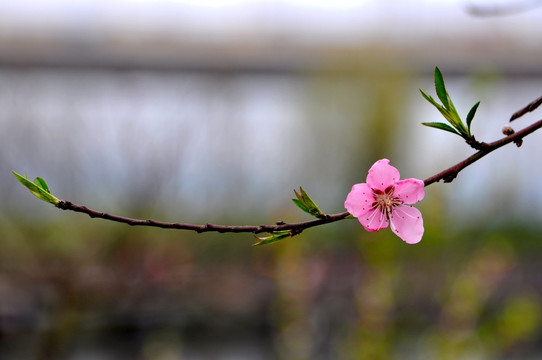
x: 507, y: 130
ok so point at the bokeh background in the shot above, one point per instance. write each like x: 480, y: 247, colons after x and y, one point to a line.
x: 214, y: 111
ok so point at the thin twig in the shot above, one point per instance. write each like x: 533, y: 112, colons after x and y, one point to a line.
x: 255, y: 229
x: 512, y: 7
x: 447, y: 175
x: 531, y: 107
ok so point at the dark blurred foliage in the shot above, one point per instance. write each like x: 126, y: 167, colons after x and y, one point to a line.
x: 79, y: 288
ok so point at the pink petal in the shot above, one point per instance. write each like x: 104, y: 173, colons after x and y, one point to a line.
x: 359, y: 200
x: 374, y: 220
x: 410, y: 191
x: 382, y: 175
x: 407, y: 223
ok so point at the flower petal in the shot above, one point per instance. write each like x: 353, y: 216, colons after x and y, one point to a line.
x: 382, y: 175
x: 410, y: 191
x: 407, y: 223
x: 374, y: 220
x: 359, y: 200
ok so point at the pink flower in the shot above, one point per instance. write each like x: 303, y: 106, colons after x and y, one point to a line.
x: 386, y: 199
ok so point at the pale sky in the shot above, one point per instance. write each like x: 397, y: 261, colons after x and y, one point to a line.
x: 347, y: 13
x: 310, y: 20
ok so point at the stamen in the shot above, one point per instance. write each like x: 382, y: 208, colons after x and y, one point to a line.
x: 384, y: 207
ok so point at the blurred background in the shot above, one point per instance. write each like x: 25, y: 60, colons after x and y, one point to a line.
x: 214, y: 111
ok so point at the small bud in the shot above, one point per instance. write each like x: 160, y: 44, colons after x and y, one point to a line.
x: 507, y: 130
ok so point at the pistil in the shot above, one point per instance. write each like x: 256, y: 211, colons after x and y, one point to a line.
x: 385, y: 201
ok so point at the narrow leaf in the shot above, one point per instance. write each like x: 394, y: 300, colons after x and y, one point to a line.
x: 445, y: 112
x: 310, y: 204
x: 304, y: 194
x: 300, y: 205
x: 457, y: 122
x: 42, y: 184
x: 449, y: 114
x: 37, y: 190
x: 305, y: 203
x: 431, y: 100
x: 441, y: 88
x: 299, y: 197
x: 274, y: 237
x: 471, y: 114
x: 447, y: 109
x: 441, y: 126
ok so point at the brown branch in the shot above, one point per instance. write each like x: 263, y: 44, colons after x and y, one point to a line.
x: 531, y: 107
x: 449, y: 174
x: 255, y: 229
x: 296, y: 228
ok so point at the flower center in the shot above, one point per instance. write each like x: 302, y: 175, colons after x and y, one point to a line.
x: 386, y: 201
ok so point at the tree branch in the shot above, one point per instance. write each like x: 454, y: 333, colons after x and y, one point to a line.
x: 449, y: 174
x: 296, y: 228
x: 531, y: 107
x: 255, y: 229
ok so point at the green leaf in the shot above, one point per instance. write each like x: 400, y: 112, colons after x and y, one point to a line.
x: 38, y: 188
x: 441, y: 88
x: 441, y: 126
x: 300, y: 205
x: 431, y: 100
x: 350, y: 216
x: 311, y: 205
x: 41, y: 183
x: 449, y: 114
x: 305, y: 203
x: 456, y: 119
x: 448, y: 110
x: 274, y: 237
x: 471, y: 114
